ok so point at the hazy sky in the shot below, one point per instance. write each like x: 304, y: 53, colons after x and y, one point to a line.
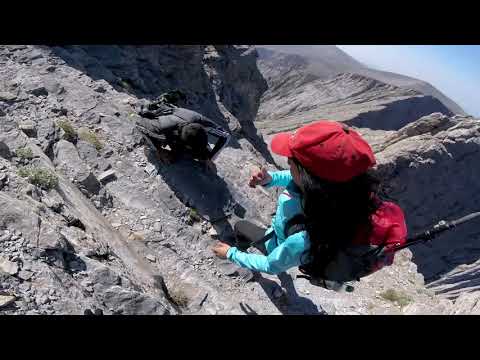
x: 452, y: 69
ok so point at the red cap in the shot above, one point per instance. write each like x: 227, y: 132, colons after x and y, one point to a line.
x: 328, y: 149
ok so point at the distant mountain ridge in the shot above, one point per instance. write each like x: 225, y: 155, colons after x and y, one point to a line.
x: 328, y: 60
x: 301, y: 90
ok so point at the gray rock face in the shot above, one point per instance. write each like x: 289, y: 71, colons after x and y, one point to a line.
x: 5, y: 151
x: 433, y: 175
x: 28, y: 127
x: 7, y: 97
x: 8, y: 267
x: 132, y: 302
x: 15, y: 214
x: 68, y: 160
x: 87, y: 151
x: 53, y: 201
x: 220, y: 87
x: 6, y: 300
x: 107, y: 176
x: 466, y: 304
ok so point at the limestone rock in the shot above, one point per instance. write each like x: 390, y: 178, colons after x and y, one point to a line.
x: 25, y: 275
x: 8, y: 267
x: 6, y: 300
x: 107, y: 176
x: 7, y: 96
x: 68, y: 160
x: 28, y: 127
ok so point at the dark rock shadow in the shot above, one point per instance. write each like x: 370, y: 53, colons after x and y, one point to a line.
x: 399, y: 113
x: 64, y: 259
x: 205, y: 193
x: 247, y: 309
x: 149, y: 71
x: 445, y: 253
x: 456, y: 283
x: 291, y: 303
x: 5, y: 151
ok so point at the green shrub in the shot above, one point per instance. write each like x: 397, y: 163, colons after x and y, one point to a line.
x: 193, y: 215
x: 90, y: 137
x: 38, y: 176
x: 67, y: 127
x: 24, y: 153
x: 126, y: 84
x: 396, y: 297
x: 179, y: 297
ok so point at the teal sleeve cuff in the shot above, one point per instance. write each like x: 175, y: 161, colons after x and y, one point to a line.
x: 231, y: 252
x: 280, y: 178
x: 270, y: 184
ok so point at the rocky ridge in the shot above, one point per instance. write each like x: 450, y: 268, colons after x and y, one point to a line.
x: 326, y: 61
x: 298, y: 96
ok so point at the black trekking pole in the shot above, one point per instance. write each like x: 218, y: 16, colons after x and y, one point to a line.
x: 442, y: 226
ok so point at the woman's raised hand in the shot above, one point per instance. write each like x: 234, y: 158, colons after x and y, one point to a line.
x: 260, y: 176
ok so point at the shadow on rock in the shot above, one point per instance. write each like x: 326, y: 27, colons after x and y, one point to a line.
x: 247, y: 309
x: 150, y: 71
x: 205, y: 193
x: 290, y: 303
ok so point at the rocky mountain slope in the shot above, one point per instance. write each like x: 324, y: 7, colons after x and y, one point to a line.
x: 90, y: 220
x: 328, y: 60
x: 297, y: 96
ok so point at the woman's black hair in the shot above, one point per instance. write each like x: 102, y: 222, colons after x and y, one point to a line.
x: 335, y: 212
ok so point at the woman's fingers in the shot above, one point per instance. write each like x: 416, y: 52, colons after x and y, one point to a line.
x: 259, y: 176
x: 266, y: 178
x: 254, y: 180
x: 220, y: 249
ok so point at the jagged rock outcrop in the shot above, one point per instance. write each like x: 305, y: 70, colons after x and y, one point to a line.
x: 430, y: 168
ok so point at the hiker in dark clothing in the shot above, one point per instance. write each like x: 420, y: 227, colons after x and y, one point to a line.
x: 184, y: 131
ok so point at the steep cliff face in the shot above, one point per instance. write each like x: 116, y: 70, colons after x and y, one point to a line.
x: 430, y: 166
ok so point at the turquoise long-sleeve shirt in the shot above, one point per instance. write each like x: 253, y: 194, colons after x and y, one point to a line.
x: 283, y: 253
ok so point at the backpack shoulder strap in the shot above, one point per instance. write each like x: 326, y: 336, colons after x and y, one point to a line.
x: 295, y: 224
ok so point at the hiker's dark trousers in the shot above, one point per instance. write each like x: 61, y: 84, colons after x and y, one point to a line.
x: 246, y: 233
